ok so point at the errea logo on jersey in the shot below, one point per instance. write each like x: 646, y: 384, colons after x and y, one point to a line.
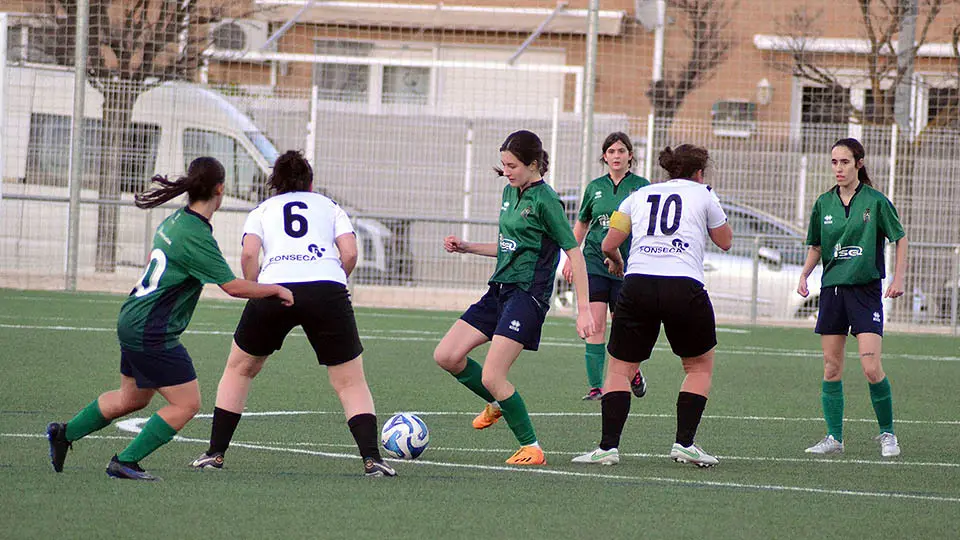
x: 505, y: 206
x: 828, y: 219
x: 507, y: 244
x: 598, y: 194
x: 846, y: 252
x: 515, y: 325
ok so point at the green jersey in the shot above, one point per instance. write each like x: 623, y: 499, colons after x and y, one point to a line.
x: 533, y: 230
x: 600, y: 200
x: 851, y: 236
x: 185, y: 256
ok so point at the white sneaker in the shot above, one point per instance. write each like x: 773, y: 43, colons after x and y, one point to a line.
x: 828, y: 445
x: 599, y: 457
x: 889, y: 447
x: 692, y: 454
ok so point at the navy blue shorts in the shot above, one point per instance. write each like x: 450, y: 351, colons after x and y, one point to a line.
x: 509, y: 311
x: 604, y: 289
x: 851, y: 308
x: 158, y: 368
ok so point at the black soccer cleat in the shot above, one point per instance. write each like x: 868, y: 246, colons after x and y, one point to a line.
x: 57, y: 435
x: 128, y: 471
x: 638, y: 385
x: 373, y: 468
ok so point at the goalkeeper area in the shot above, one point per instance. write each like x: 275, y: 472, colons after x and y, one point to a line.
x: 293, y: 472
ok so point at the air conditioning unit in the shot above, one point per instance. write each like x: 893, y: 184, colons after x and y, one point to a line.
x: 733, y: 118
x: 240, y: 35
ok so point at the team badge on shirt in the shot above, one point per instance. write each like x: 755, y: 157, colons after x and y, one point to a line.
x: 866, y: 216
x: 525, y: 213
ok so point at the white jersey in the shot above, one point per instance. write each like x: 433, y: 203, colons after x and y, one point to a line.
x: 669, y: 223
x: 299, y: 231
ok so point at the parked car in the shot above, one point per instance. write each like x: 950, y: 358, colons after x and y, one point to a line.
x: 730, y: 275
x: 172, y: 124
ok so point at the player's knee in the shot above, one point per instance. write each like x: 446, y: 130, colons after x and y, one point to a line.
x: 446, y: 359
x: 831, y: 371
x: 491, y: 381
x: 874, y: 374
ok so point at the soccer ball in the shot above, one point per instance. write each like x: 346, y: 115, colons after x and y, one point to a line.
x: 404, y: 436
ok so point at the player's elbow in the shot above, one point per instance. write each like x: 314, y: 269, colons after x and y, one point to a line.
x: 722, y: 237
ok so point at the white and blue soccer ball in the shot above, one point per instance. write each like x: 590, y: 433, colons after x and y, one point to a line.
x: 404, y: 436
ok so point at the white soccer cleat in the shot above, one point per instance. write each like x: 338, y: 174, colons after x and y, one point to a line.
x: 828, y: 445
x: 889, y: 447
x: 692, y: 454
x: 599, y: 457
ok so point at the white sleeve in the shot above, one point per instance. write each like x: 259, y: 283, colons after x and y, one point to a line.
x: 341, y: 222
x: 716, y: 217
x: 626, y: 207
x: 254, y: 223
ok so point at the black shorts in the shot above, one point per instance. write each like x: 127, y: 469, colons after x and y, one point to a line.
x: 157, y: 368
x: 680, y: 303
x: 856, y: 309
x: 322, y: 308
x: 509, y: 311
x: 604, y: 289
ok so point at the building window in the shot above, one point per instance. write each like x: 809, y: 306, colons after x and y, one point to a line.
x: 878, y: 111
x: 943, y: 108
x: 342, y: 82
x: 824, y: 117
x: 407, y: 85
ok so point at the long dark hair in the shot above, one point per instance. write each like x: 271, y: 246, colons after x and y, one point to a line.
x: 203, y: 176
x: 291, y: 172
x: 858, y: 152
x: 613, y: 138
x: 684, y: 161
x: 528, y: 148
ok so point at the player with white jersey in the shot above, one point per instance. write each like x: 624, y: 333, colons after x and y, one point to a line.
x: 669, y: 223
x: 309, y: 245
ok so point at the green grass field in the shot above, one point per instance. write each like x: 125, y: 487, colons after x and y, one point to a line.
x: 292, y: 471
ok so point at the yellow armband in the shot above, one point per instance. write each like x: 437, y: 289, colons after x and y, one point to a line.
x: 620, y: 222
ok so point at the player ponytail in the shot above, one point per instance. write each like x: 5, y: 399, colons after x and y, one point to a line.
x: 858, y: 152
x: 203, y: 176
x: 291, y: 172
x: 684, y: 161
x: 527, y: 147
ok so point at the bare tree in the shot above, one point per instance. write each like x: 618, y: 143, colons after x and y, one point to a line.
x: 704, y: 25
x: 134, y: 45
x: 880, y: 21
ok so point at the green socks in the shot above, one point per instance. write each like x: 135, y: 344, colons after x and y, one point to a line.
x: 155, y: 433
x: 515, y: 413
x: 595, y: 355
x: 88, y: 420
x: 831, y: 396
x: 882, y: 404
x: 472, y: 378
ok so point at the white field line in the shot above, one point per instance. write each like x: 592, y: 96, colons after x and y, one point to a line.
x: 394, y: 335
x: 563, y: 473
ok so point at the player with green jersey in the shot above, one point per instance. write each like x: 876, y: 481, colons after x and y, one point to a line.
x: 600, y: 200
x: 533, y: 230
x: 185, y: 256
x: 848, y: 227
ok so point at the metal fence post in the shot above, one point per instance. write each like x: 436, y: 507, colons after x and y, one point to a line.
x: 77, y: 142
x: 755, y: 286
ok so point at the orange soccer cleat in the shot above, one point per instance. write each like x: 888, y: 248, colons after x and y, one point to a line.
x: 488, y: 417
x: 528, y: 455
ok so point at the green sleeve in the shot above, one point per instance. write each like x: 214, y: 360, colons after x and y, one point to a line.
x: 555, y: 223
x: 890, y: 221
x: 813, y: 231
x: 586, y: 207
x: 205, y: 261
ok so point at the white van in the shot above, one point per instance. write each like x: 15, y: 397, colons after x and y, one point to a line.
x: 173, y: 123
